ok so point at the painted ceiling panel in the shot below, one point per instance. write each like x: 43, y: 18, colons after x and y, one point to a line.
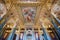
x: 29, y: 14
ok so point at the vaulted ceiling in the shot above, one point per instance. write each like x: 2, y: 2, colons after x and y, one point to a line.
x: 18, y: 10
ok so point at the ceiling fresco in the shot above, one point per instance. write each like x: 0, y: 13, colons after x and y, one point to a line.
x: 29, y: 14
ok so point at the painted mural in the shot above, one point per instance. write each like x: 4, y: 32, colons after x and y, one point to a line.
x: 29, y: 13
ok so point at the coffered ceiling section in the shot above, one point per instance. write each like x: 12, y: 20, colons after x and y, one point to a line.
x: 28, y: 0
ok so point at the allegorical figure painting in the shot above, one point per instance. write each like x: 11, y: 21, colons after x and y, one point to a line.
x: 29, y: 13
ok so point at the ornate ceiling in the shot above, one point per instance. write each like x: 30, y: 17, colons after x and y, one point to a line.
x: 29, y: 12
